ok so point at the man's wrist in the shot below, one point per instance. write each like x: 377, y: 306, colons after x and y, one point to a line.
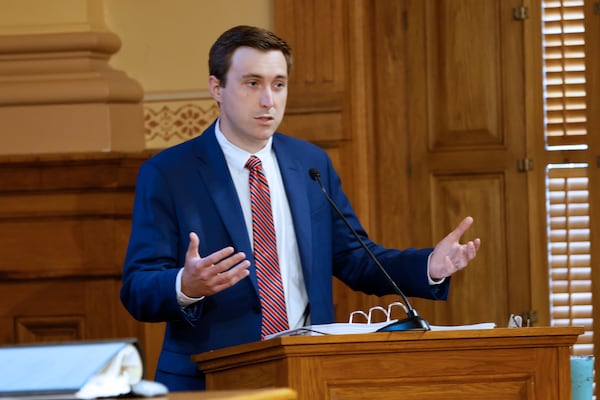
x: 182, y: 299
x: 432, y: 282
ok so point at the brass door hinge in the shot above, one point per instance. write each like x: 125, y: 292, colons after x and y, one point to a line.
x: 520, y: 13
x: 525, y: 165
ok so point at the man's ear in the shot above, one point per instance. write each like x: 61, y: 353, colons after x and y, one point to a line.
x: 214, y: 87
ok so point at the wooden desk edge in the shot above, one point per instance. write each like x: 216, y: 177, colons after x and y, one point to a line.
x: 250, y: 394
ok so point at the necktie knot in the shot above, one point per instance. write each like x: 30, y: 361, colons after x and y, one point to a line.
x: 254, y: 164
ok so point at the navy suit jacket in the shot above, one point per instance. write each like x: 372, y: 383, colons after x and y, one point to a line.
x: 188, y: 188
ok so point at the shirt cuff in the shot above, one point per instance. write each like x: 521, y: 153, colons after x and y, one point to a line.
x: 182, y: 299
x: 431, y: 281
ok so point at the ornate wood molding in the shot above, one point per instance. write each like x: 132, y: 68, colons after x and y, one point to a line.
x: 65, y: 216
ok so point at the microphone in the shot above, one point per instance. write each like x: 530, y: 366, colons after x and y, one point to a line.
x: 413, y: 322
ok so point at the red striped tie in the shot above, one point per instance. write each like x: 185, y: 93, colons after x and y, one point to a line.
x: 270, y: 288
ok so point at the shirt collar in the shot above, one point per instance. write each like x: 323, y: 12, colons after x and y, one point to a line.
x: 237, y: 157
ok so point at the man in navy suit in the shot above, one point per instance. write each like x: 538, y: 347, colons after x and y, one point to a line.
x: 190, y: 257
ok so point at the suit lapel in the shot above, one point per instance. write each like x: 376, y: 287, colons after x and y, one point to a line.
x: 215, y: 173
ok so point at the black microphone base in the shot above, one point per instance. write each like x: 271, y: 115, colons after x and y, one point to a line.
x: 414, y: 323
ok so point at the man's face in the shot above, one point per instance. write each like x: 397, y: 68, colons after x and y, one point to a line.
x: 253, y: 101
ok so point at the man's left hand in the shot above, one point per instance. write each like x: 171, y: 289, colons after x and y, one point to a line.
x: 449, y: 256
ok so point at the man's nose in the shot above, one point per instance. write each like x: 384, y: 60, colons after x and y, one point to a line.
x: 266, y: 98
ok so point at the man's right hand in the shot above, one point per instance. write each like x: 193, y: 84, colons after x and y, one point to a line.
x: 204, y: 276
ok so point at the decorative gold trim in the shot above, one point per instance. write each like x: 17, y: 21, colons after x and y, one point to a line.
x: 169, y: 123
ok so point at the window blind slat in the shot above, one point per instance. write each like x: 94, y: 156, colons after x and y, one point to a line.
x: 567, y: 190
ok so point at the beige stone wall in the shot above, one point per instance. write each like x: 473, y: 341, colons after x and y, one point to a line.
x: 165, y: 47
x: 54, y: 16
x: 166, y: 42
x: 160, y: 60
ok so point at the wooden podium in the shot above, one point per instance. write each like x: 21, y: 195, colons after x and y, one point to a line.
x: 501, y: 363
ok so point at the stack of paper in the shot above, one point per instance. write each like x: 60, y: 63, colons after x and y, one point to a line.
x: 354, y: 328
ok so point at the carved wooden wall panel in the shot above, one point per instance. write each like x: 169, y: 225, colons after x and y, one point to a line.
x: 465, y: 74
x: 64, y: 227
x: 454, y: 196
x: 35, y: 329
x: 315, y: 31
x: 466, y: 85
x: 328, y: 101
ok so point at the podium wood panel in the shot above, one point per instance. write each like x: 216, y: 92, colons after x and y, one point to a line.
x: 502, y: 363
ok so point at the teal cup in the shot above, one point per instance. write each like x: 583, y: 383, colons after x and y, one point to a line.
x: 582, y: 377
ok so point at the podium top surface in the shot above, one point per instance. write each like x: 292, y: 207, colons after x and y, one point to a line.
x: 400, y: 341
